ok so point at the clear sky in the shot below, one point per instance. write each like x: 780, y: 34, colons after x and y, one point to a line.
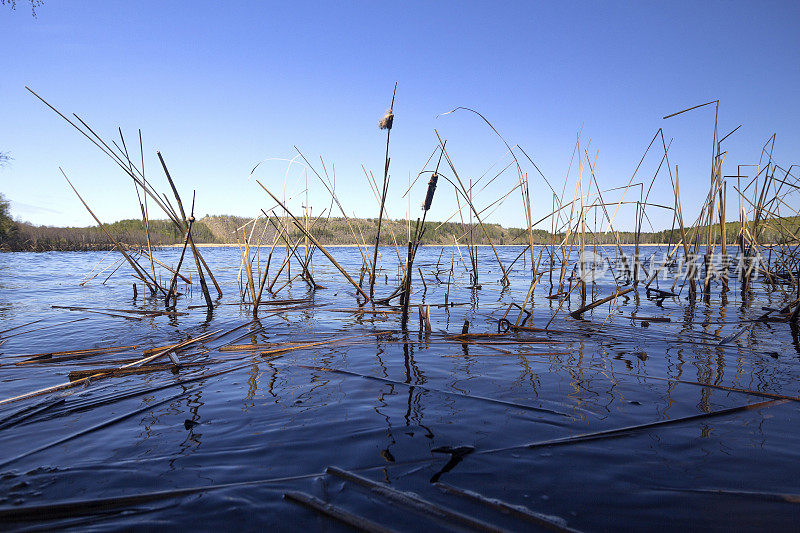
x: 220, y: 86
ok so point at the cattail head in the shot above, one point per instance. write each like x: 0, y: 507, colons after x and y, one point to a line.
x: 431, y: 189
x: 386, y: 122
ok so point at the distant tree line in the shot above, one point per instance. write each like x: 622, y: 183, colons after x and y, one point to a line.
x: 22, y: 236
x: 226, y: 229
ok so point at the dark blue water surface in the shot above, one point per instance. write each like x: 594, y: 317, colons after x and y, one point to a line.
x: 242, y: 427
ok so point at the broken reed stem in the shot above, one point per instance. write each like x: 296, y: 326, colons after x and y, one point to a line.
x: 185, y: 224
x: 174, y: 282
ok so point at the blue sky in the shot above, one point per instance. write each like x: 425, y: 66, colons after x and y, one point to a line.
x: 220, y: 86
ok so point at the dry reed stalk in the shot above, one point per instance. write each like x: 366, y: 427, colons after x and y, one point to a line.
x: 317, y: 244
x: 290, y: 249
x: 497, y: 202
x: 170, y: 269
x: 468, y: 233
x: 523, y: 182
x: 361, y: 311
x: 450, y: 272
x: 413, y: 246
x: 723, y: 194
x: 115, y: 265
x: 140, y: 273
x: 263, y: 281
x: 462, y: 190
x: 529, y: 295
x: 709, y: 203
x: 135, y: 174
x: 709, y: 224
x: 374, y: 186
x: 74, y: 508
x: 171, y: 348
x: 288, y: 282
x: 145, y: 210
x: 43, y: 327
x: 254, y: 347
x: 289, y: 301
x: 87, y: 278
x: 405, y: 294
x: 605, y: 210
x: 582, y: 233
x: 142, y: 205
x: 679, y: 209
x: 428, y: 328
x: 114, y: 272
x: 246, y: 261
x: 335, y: 199
x: 304, y: 264
x: 460, y: 255
x: 422, y: 278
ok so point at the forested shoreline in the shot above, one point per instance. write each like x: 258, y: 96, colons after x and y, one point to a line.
x: 227, y: 229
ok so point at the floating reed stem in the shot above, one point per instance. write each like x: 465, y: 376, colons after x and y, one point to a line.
x: 71, y: 384
x: 577, y: 313
x: 518, y: 511
x: 337, y: 513
x: 412, y: 501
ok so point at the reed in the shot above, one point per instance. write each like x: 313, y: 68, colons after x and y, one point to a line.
x: 385, y: 124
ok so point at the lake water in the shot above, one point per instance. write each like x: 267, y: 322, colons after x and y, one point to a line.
x: 218, y: 441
